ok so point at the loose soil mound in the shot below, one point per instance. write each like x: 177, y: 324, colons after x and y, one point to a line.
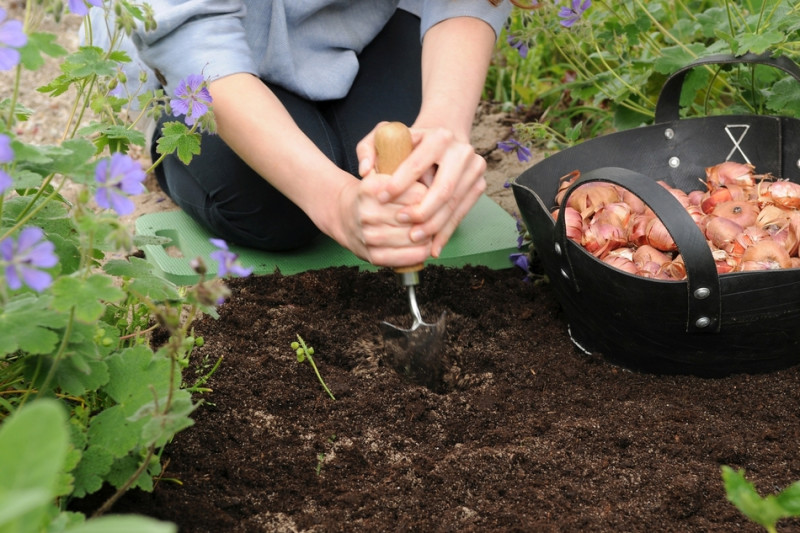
x: 530, y: 435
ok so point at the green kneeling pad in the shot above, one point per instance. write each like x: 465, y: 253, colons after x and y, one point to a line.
x: 486, y: 237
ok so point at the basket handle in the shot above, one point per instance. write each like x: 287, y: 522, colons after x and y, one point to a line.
x: 704, y: 300
x: 668, y: 104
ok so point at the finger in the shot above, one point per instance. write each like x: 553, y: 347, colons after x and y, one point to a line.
x: 456, y: 177
x: 372, y: 184
x: 431, y: 147
x: 446, y: 219
x: 365, y: 151
x: 399, y: 257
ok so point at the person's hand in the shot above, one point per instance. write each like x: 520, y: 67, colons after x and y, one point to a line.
x: 450, y: 168
x: 371, y: 228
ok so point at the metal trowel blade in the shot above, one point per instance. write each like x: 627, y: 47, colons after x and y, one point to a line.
x: 417, y: 354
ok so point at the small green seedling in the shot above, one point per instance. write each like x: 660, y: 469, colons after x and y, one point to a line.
x: 304, y: 353
x: 763, y: 511
x: 320, y: 460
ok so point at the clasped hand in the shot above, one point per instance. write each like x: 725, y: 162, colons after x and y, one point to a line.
x: 405, y: 218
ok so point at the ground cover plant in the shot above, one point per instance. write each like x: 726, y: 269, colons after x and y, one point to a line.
x: 85, y: 399
x: 103, y: 365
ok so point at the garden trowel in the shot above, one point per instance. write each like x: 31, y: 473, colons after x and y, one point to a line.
x: 415, y: 353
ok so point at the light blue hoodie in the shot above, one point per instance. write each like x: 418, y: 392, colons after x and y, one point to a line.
x: 309, y: 47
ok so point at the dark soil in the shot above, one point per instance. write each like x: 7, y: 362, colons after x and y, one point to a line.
x: 530, y: 434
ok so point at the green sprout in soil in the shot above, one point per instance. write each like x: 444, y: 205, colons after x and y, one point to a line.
x: 763, y: 511
x: 304, y: 353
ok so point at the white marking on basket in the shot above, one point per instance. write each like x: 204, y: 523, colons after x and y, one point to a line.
x: 736, y: 142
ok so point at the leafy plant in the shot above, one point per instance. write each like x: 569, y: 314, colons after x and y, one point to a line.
x: 765, y: 511
x: 305, y: 353
x: 85, y: 398
x: 607, y: 62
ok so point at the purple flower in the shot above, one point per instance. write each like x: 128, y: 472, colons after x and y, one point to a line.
x: 521, y: 260
x: 79, y: 7
x: 5, y: 182
x: 6, y: 156
x: 513, y: 145
x: 521, y: 46
x: 21, y: 259
x: 227, y: 260
x: 11, y: 38
x: 6, y: 153
x: 571, y: 15
x: 191, y: 98
x: 116, y: 176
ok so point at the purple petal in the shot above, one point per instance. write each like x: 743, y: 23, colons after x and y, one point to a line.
x: 11, y: 34
x: 42, y: 255
x: 193, y: 81
x: 221, y: 258
x: 5, y: 182
x: 12, y: 278
x: 7, y: 249
x: 102, y: 198
x: 36, y: 279
x: 28, y: 237
x: 219, y: 243
x: 122, y: 204
x: 101, y: 171
x: 198, y: 109
x: 6, y: 153
x: 179, y: 107
x: 520, y: 260
x: 9, y: 58
x: 241, y: 271
x: 78, y: 7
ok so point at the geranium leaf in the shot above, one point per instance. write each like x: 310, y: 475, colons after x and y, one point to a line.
x: 25, y: 325
x: 89, y: 296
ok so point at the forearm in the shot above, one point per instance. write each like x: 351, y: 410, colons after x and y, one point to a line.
x: 455, y: 58
x: 254, y: 123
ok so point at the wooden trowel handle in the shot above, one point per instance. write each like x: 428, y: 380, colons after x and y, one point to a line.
x: 393, y: 144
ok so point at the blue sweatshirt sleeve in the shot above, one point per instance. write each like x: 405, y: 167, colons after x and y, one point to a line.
x: 432, y: 12
x: 196, y: 37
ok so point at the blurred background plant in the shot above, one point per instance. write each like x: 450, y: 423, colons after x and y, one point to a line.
x: 583, y: 68
x: 88, y: 398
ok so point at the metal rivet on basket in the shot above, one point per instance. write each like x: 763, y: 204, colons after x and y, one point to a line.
x: 564, y: 273
x: 674, y: 162
x: 703, y: 322
x: 669, y: 133
x: 701, y: 293
x: 557, y: 247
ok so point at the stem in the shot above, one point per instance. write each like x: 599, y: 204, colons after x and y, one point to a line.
x: 138, y: 333
x: 61, y: 349
x: 128, y: 483
x: 14, y: 98
x: 311, y: 360
x: 202, y: 380
x: 314, y: 366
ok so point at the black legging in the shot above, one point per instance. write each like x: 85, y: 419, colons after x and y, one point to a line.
x: 223, y: 194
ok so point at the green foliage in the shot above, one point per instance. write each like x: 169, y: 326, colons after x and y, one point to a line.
x: 605, y: 72
x: 763, y: 511
x: 34, y: 452
x: 177, y: 138
x: 85, y: 399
